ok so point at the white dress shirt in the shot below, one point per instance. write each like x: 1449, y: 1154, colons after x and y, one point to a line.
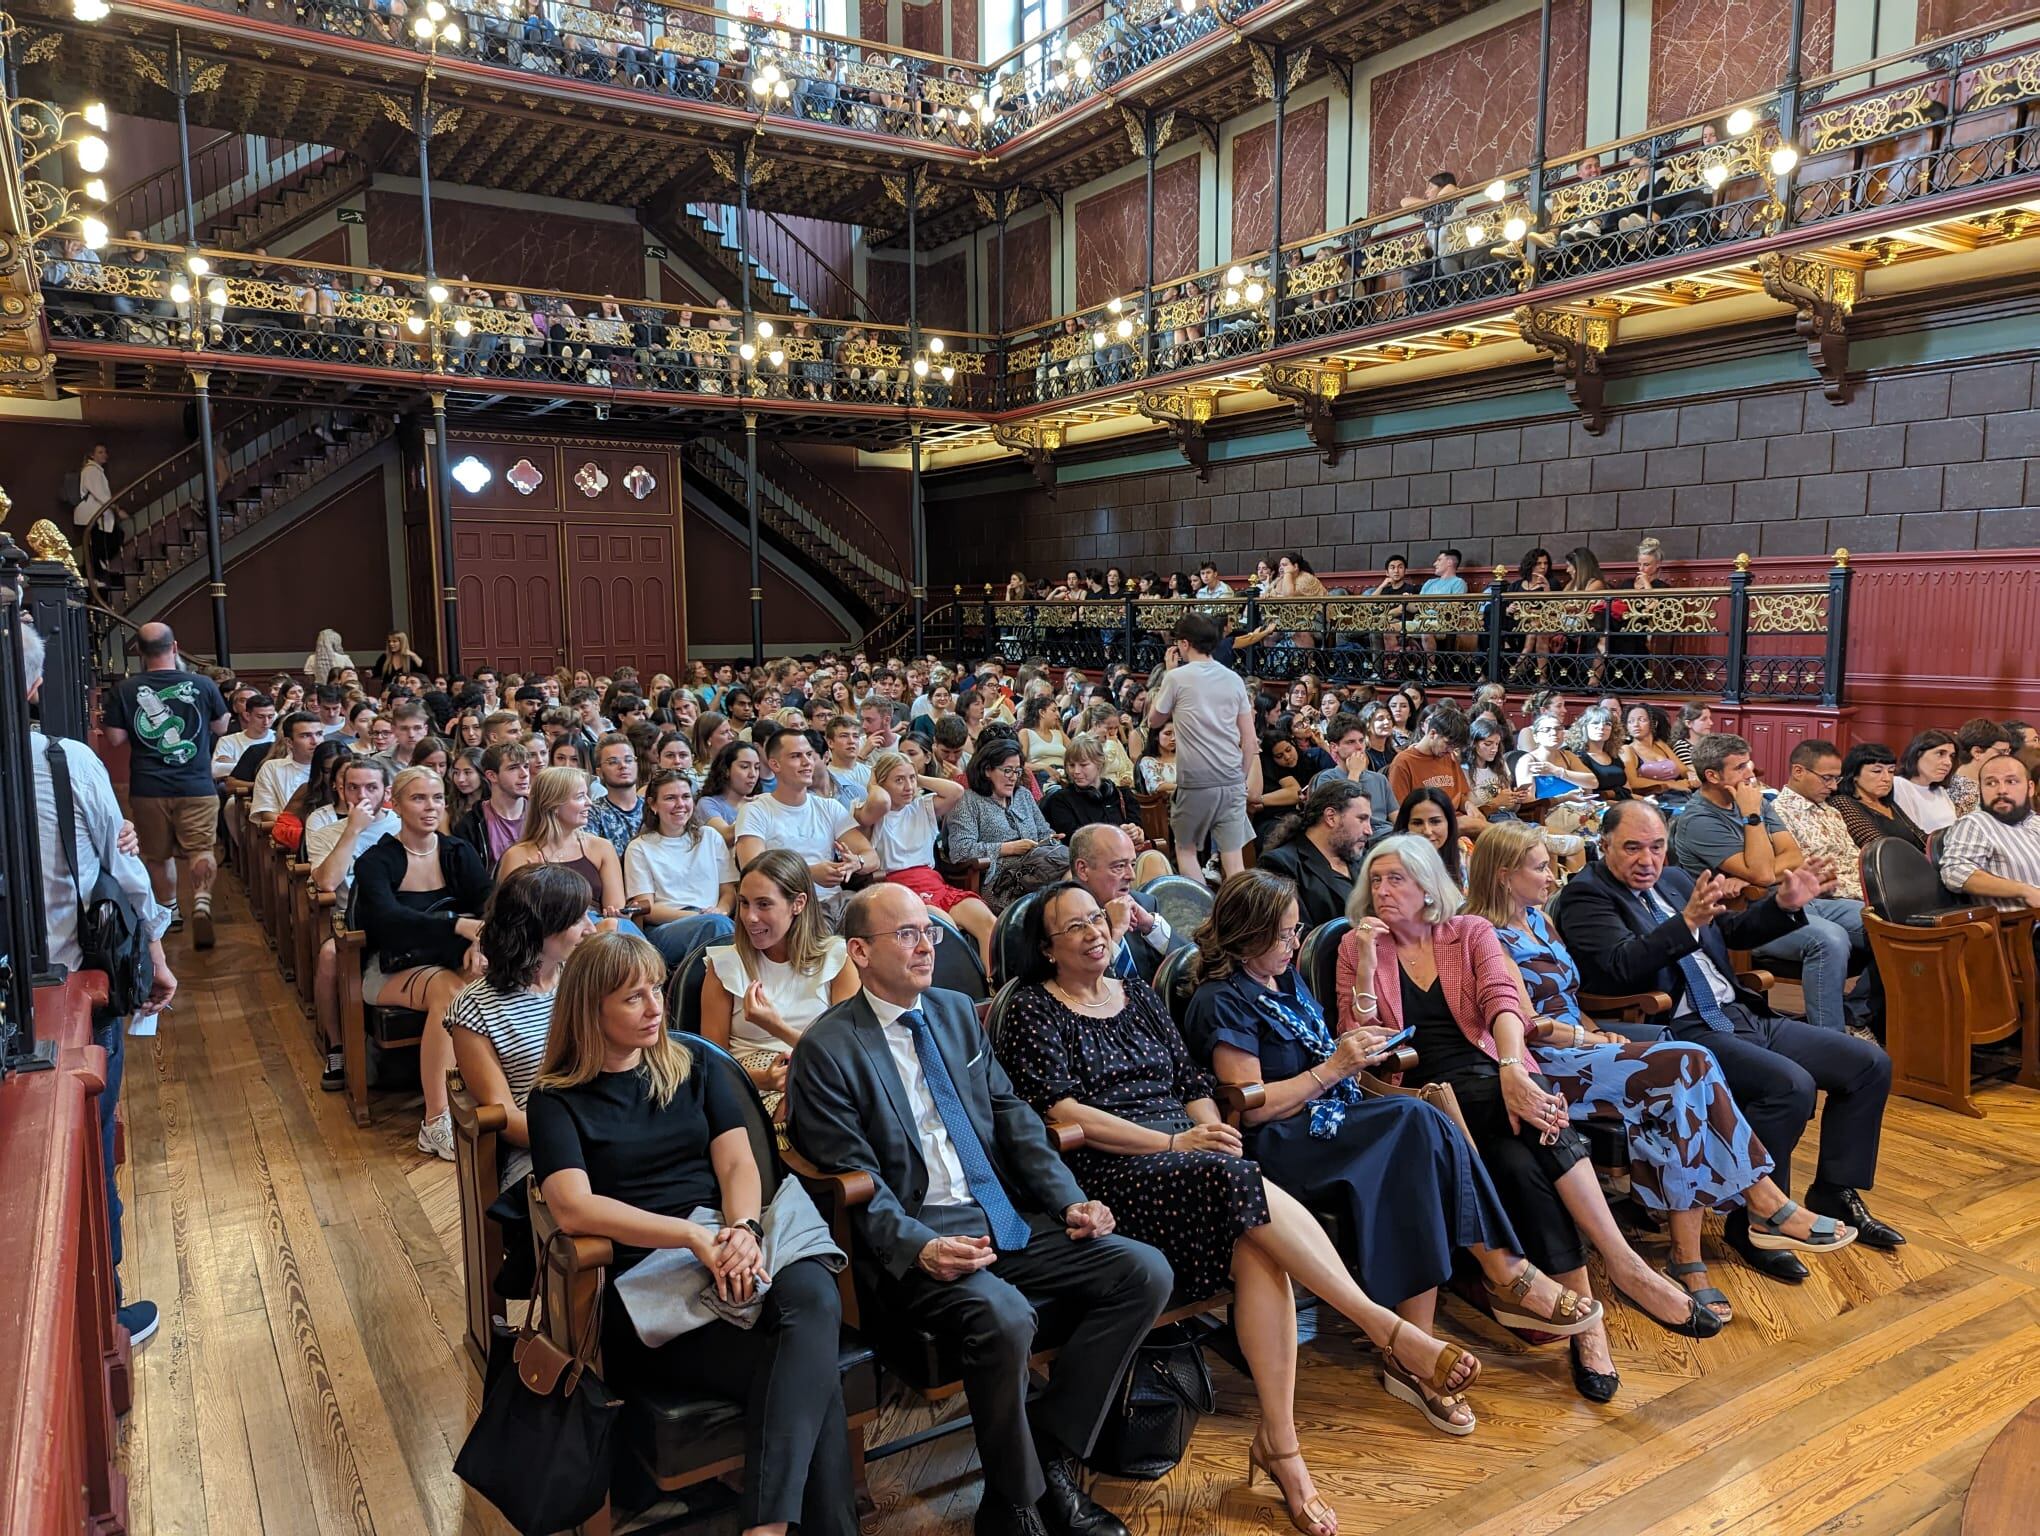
x: 98, y: 827
x: 946, y: 1183
x: 1724, y: 989
x: 278, y: 780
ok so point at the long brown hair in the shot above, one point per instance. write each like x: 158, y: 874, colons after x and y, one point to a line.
x: 807, y: 939
x: 1245, y: 917
x: 600, y: 967
x: 1499, y: 853
x: 550, y: 789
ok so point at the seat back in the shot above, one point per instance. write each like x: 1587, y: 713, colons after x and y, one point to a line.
x: 958, y: 965
x: 1173, y: 983
x: 1001, y: 1008
x: 476, y: 1132
x: 1900, y: 885
x: 1318, y: 962
x: 1183, y: 901
x: 1008, y: 955
x: 683, y: 992
x: 758, y: 1127
x: 1154, y: 816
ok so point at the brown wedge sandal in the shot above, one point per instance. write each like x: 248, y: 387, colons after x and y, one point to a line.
x: 1572, y: 1314
x: 1433, y: 1399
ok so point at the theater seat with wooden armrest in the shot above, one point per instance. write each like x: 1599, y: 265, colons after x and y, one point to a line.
x: 1947, y: 978
x: 1154, y: 817
x: 958, y: 965
x: 683, y: 992
x: 361, y: 1021
x: 306, y: 931
x: 1009, y: 954
x: 681, y: 1436
x: 1183, y: 901
x: 476, y: 1130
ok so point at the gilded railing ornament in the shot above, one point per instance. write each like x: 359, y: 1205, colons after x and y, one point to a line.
x: 1311, y: 388
x: 1787, y: 613
x: 1600, y: 194
x: 1036, y: 442
x: 1556, y: 615
x: 2004, y: 82
x: 1859, y: 122
x: 1182, y: 412
x: 46, y: 541
x: 1671, y: 613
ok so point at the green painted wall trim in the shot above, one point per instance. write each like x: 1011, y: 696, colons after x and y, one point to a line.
x: 1786, y: 365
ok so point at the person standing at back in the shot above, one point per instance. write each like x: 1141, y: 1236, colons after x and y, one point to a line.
x: 168, y: 718
x: 1218, y: 761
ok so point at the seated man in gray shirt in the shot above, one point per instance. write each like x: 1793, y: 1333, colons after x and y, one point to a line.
x: 1346, y: 739
x: 1729, y: 829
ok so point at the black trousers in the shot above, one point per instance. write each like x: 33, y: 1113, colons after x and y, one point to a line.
x: 1774, y: 1065
x: 784, y: 1371
x: 1118, y: 1287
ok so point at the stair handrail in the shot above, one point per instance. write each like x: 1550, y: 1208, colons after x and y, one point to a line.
x: 240, y: 459
x: 722, y: 458
x: 856, y: 295
x: 724, y: 217
x: 794, y: 469
x: 119, y: 213
x: 124, y: 495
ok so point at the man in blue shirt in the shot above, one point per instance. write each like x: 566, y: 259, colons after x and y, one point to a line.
x: 1445, y: 578
x: 1728, y: 828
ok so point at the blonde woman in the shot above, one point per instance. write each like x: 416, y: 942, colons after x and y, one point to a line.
x: 1104, y: 724
x: 555, y: 832
x: 397, y: 658
x: 781, y: 972
x: 630, y: 1135
x: 902, y: 816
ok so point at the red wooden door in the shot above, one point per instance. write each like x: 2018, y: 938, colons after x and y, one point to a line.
x: 511, y: 607
x: 622, y: 609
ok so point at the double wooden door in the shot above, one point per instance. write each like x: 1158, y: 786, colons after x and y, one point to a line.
x: 538, y: 595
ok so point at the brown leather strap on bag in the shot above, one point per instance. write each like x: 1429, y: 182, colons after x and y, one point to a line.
x: 540, y: 1362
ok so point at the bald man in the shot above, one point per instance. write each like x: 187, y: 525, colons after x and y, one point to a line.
x: 168, y: 717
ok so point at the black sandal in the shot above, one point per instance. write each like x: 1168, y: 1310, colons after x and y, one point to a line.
x: 1708, y: 1296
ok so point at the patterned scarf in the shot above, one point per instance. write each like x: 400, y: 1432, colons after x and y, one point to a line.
x: 1306, y: 1021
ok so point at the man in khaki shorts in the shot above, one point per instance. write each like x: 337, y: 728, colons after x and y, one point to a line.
x: 1218, y: 765
x: 169, y: 718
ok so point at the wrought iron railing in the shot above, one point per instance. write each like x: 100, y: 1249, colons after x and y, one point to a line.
x: 1778, y: 642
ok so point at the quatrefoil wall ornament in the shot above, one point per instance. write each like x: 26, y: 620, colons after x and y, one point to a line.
x: 471, y: 474
x: 525, y: 477
x: 640, y: 482
x: 590, y: 481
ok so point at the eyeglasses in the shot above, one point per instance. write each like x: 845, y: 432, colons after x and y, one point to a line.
x: 1085, y: 925
x: 907, y: 938
x: 1829, y: 779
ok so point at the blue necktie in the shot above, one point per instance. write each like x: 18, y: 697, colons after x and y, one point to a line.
x: 1125, y: 968
x: 1698, y: 987
x: 1009, y: 1230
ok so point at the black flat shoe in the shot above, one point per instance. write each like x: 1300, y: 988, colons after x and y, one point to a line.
x: 1698, y: 1323
x: 1782, y: 1267
x: 1594, y: 1386
x: 1847, y: 1205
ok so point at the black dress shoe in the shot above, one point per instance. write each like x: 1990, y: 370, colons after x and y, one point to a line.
x: 1594, y: 1386
x: 1846, y: 1205
x: 1066, y: 1510
x: 995, y: 1517
x: 1773, y: 1264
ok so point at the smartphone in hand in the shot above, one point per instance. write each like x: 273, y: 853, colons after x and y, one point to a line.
x: 1400, y: 1038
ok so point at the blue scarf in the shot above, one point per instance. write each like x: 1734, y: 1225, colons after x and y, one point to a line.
x: 1306, y: 1020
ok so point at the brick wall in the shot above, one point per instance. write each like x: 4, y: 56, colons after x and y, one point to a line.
x: 1928, y: 458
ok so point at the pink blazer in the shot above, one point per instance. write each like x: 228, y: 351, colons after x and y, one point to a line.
x: 1473, y: 969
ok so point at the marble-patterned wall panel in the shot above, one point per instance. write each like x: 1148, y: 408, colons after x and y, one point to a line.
x: 921, y: 25
x: 521, y: 246
x: 944, y: 288
x: 1030, y: 274
x: 1112, y: 233
x: 963, y: 29
x: 871, y: 19
x: 1940, y: 17
x: 885, y: 288
x: 1303, y: 178
x: 1472, y: 108
x: 1707, y: 53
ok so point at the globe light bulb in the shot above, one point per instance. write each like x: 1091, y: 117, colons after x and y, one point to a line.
x: 1714, y: 176
x: 1740, y: 122
x: 775, y: 357
x: 435, y: 10
x: 90, y: 10
x: 1514, y: 230
x: 92, y: 154
x: 95, y: 115
x: 747, y: 352
x: 764, y: 330
x: 423, y: 26
x: 948, y: 373
x: 94, y: 232
x: 1476, y: 234
x: 436, y: 293
x: 1783, y: 158
x: 463, y: 326
x: 1256, y: 293
x: 96, y: 189
x: 1124, y: 328
x: 180, y: 292
x: 1234, y: 276
x: 217, y: 295
x: 935, y: 343
x: 920, y: 367
x: 1115, y: 307
x: 1497, y: 190
x: 1097, y: 338
x: 415, y: 324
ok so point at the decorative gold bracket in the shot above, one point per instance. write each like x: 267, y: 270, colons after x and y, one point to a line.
x: 1311, y: 388
x: 1036, y: 442
x: 1575, y: 341
x: 1183, y: 413
x: 1822, y: 294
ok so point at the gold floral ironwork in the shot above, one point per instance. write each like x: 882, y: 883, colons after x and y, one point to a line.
x: 1446, y: 618
x: 1788, y: 611
x: 1597, y: 195
x: 1672, y: 614
x: 1859, y: 122
x: 1370, y: 617
x: 2003, y: 82
x: 1395, y: 254
x: 1556, y: 615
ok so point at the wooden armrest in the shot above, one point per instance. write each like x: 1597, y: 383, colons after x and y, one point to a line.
x: 299, y: 870
x: 1756, y: 981
x: 325, y: 898
x: 1067, y: 1135
x: 1237, y: 1100
x: 846, y: 1190
x: 1594, y: 1004
x: 476, y: 1120
x: 587, y: 1254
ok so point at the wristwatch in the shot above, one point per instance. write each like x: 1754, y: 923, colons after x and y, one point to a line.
x: 752, y: 1224
x: 1753, y: 821
x: 1508, y: 1061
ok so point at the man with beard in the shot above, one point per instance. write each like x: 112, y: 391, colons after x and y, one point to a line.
x: 1994, y: 852
x: 1319, y: 849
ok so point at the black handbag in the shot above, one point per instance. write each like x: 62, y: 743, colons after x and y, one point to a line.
x: 539, y: 1450
x: 110, y: 931
x: 1166, y: 1390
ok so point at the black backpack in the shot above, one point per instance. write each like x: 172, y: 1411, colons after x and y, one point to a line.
x: 110, y: 931
x: 71, y: 490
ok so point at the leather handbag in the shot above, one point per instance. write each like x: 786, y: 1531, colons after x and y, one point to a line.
x: 540, y: 1448
x: 1166, y: 1390
x: 1438, y: 1095
x: 111, y: 935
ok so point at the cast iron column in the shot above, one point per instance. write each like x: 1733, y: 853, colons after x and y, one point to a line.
x: 751, y: 521
x: 215, y: 557
x: 1275, y: 212
x: 1147, y: 308
x: 917, y: 535
x: 917, y: 590
x: 442, y: 479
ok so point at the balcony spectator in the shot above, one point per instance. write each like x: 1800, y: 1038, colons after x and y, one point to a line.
x: 1976, y: 743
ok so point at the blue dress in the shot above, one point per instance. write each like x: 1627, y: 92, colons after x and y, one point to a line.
x: 1406, y: 1187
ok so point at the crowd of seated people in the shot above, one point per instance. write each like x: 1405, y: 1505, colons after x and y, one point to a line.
x: 811, y: 831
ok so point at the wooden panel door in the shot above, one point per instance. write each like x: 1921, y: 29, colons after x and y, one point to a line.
x: 622, y: 609
x: 511, y: 607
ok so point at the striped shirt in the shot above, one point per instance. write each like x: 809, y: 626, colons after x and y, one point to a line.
x: 515, y: 1026
x: 1980, y: 842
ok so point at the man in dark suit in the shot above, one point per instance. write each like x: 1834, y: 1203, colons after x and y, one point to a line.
x: 1634, y: 924
x: 1102, y: 862
x: 1320, y: 851
x: 974, y: 1220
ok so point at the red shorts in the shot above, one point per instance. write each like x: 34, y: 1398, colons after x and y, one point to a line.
x: 931, y: 887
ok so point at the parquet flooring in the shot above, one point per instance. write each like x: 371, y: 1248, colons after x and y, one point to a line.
x: 308, y: 1376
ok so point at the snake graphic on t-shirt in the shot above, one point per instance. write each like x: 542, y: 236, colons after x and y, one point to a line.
x: 159, y: 727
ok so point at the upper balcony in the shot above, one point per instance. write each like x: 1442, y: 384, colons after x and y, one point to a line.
x: 1904, y: 172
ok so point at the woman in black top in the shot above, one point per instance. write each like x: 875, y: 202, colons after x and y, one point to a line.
x: 629, y: 1135
x: 418, y: 896
x: 1597, y: 737
x: 1087, y: 798
x: 1865, y: 800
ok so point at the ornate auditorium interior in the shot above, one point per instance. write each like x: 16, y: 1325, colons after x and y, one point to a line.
x: 711, y: 394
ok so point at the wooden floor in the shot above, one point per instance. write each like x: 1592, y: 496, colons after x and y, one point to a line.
x: 307, y: 1377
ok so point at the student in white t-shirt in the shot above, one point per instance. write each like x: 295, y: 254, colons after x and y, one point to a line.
x: 782, y: 972
x: 335, y: 836
x: 681, y: 871
x: 903, y: 823
x: 286, y: 773
x: 820, y: 830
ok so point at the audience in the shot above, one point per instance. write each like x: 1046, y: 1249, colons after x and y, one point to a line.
x: 1922, y: 788
x: 556, y: 832
x: 1318, y: 849
x: 998, y: 824
x: 678, y: 873
x: 1996, y: 855
x: 816, y: 827
x: 902, y: 815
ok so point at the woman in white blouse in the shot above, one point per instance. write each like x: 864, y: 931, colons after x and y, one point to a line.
x: 782, y: 972
x: 903, y: 824
x: 1921, y: 788
x: 679, y: 871
x: 1042, y: 738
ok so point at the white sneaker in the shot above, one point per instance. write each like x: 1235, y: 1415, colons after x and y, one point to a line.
x: 436, y: 1137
